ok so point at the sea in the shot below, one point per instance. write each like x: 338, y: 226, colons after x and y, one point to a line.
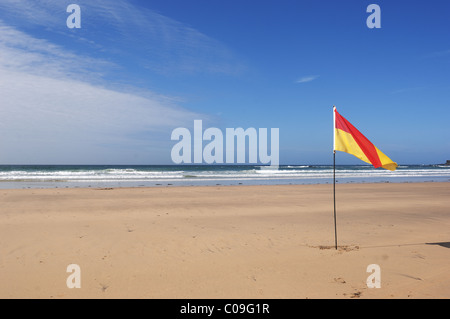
x: 113, y: 176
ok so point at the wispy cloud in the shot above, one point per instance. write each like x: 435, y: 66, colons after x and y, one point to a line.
x: 57, y: 108
x: 68, y: 94
x: 437, y: 54
x: 408, y: 90
x: 125, y: 31
x: 22, y: 52
x: 306, y: 79
x: 32, y: 13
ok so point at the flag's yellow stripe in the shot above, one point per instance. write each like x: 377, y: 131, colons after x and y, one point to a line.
x: 345, y: 142
x: 386, y: 162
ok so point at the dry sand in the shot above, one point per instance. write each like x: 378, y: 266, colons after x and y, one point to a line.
x: 226, y: 242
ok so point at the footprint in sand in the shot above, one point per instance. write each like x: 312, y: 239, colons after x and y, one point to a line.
x: 339, y: 280
x: 356, y: 294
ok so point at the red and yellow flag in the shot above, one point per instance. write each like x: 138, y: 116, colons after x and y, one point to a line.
x: 348, y: 139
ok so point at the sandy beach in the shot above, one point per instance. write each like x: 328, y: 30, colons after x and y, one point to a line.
x: 226, y: 241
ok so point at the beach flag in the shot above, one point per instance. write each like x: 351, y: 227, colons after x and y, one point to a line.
x: 349, y: 140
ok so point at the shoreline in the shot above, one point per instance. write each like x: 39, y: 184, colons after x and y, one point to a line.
x: 274, y: 241
x: 76, y: 176
x: 4, y: 185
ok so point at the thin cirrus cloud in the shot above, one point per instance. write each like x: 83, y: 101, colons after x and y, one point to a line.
x: 68, y: 119
x: 307, y: 79
x: 129, y: 34
x: 438, y: 54
x: 24, y: 53
x: 59, y: 104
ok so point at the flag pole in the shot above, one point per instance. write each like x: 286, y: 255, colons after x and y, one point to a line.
x: 334, y: 175
x: 334, y: 198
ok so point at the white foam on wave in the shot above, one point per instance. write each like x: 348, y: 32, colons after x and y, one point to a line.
x: 87, y: 175
x: 115, y: 174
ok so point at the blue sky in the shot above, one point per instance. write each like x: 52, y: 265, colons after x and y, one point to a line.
x: 112, y: 91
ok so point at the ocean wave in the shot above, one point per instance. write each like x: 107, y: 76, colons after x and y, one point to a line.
x: 208, y: 173
x: 298, y: 166
x: 109, y: 174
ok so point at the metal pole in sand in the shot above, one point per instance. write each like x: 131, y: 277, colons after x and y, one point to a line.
x: 334, y: 175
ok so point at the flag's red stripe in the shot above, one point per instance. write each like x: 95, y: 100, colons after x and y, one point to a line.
x: 366, y: 146
x: 341, y: 123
